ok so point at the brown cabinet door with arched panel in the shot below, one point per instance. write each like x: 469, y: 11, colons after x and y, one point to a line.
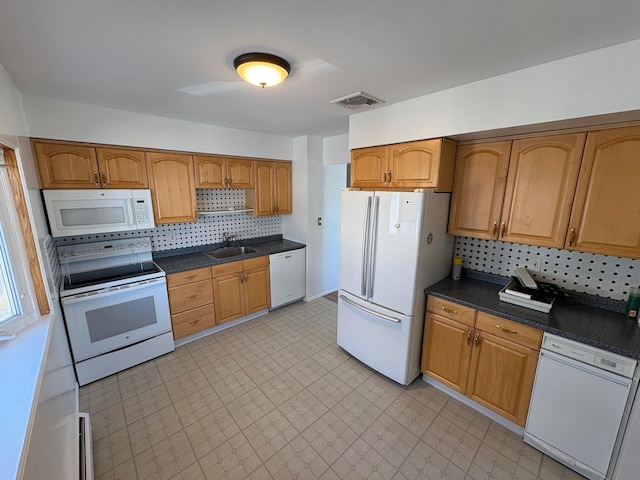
x: 122, y: 168
x: 172, y: 185
x: 62, y: 165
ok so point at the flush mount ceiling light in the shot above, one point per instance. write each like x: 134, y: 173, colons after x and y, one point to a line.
x: 262, y: 69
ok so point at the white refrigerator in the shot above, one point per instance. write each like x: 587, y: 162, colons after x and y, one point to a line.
x: 392, y: 246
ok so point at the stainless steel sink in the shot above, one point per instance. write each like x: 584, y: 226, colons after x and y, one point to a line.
x: 228, y: 252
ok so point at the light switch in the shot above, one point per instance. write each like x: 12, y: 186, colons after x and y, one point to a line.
x: 319, y: 221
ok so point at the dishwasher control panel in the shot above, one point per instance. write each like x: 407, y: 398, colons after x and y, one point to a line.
x: 591, y: 355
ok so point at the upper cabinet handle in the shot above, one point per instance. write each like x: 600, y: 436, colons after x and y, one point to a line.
x: 503, y: 229
x: 494, y: 233
x: 104, y: 178
x: 390, y: 176
x: 385, y: 178
x: 95, y: 179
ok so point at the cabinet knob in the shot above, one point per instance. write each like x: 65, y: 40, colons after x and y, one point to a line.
x: 505, y: 330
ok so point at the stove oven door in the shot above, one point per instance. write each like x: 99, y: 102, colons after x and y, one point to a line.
x: 106, y: 320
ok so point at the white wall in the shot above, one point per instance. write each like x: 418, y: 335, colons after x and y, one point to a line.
x: 60, y: 119
x: 335, y: 179
x: 596, y: 83
x: 335, y: 150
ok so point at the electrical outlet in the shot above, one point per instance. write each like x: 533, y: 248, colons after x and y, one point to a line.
x: 534, y: 266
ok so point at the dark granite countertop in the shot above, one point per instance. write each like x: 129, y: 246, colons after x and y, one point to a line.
x: 599, y: 327
x: 181, y: 259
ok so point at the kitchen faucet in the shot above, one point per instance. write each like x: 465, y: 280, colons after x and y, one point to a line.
x: 228, y: 237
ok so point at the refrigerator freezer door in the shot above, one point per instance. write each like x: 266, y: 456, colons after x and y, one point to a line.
x: 354, y: 241
x: 377, y: 337
x: 397, y: 220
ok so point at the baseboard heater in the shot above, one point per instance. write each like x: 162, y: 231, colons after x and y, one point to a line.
x: 85, y: 449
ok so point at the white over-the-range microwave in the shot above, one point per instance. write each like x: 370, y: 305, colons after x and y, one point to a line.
x: 84, y: 212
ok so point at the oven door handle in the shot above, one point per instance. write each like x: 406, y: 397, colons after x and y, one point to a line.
x: 110, y: 291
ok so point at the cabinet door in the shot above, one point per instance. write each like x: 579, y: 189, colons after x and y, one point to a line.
x: 501, y: 376
x: 415, y: 164
x: 66, y: 166
x: 606, y: 210
x: 173, y: 191
x: 369, y: 167
x: 228, y: 297
x: 282, y: 187
x: 541, y: 184
x: 122, y: 168
x: 239, y: 172
x: 446, y: 351
x: 478, y: 189
x: 210, y: 171
x: 260, y: 198
x: 256, y: 290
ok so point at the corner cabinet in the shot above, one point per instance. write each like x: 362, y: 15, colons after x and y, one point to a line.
x: 422, y: 164
x: 213, y: 171
x: 67, y: 165
x: 517, y: 192
x: 489, y: 359
x: 172, y: 185
x: 272, y: 192
x: 240, y: 288
x: 606, y: 210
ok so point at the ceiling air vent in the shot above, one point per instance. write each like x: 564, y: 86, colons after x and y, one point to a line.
x: 357, y: 100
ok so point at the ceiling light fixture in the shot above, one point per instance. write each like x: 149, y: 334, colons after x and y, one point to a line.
x: 262, y: 69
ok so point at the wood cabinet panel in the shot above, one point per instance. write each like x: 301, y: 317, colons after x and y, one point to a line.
x: 541, y: 183
x: 451, y: 310
x: 228, y: 294
x: 606, y: 211
x: 192, y: 321
x: 122, y: 168
x: 447, y: 351
x: 369, y: 167
x: 272, y: 192
x: 513, y: 331
x: 424, y: 164
x: 191, y: 295
x: 501, y: 376
x: 210, y: 171
x: 282, y: 187
x: 240, y: 173
x: 478, y: 189
x: 173, y: 191
x: 189, y: 276
x: 63, y: 165
x: 257, y: 293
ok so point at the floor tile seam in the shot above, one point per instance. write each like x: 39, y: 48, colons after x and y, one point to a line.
x: 407, y: 428
x: 449, y: 461
x: 287, y: 399
x: 154, y: 444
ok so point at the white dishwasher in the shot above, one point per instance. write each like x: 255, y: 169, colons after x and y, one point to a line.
x: 288, y: 277
x: 579, y: 399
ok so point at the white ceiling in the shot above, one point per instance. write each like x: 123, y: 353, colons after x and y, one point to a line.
x: 135, y: 55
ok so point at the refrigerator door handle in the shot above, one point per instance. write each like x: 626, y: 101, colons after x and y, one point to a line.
x: 372, y: 250
x: 369, y: 311
x: 365, y: 248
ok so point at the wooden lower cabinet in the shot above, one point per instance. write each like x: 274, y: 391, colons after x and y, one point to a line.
x: 489, y: 359
x: 241, y: 288
x: 190, y: 301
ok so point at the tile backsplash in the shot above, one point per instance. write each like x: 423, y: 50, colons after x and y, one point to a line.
x: 600, y: 275
x: 208, y: 229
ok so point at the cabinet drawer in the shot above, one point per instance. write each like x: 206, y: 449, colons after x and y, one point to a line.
x: 192, y: 321
x: 175, y: 279
x: 226, y: 268
x: 503, y: 328
x: 451, y: 310
x: 250, y: 263
x: 191, y: 295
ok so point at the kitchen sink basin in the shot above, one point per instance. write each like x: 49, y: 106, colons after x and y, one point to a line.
x: 228, y: 252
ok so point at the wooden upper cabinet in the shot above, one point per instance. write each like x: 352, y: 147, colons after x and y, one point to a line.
x: 478, y: 189
x: 606, y: 211
x: 213, y: 171
x: 272, y: 192
x: 369, y: 167
x: 541, y: 184
x: 422, y: 164
x: 122, y: 168
x: 64, y: 165
x: 172, y: 185
x: 282, y: 187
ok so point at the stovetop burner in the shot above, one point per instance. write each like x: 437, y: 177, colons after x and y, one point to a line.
x: 113, y: 274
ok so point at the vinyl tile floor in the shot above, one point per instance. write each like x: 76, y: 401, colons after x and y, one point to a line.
x: 276, y: 398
